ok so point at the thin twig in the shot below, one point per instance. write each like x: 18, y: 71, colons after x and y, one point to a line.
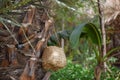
x: 10, y: 32
x: 28, y: 40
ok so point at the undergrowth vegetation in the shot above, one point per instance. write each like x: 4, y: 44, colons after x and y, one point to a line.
x: 74, y: 71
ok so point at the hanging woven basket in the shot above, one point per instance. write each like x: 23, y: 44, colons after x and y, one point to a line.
x: 53, y: 58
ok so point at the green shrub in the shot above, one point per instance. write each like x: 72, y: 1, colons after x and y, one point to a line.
x: 78, y: 72
x: 73, y: 72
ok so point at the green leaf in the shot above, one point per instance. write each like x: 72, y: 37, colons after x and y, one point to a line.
x: 64, y: 34
x: 93, y: 32
x: 89, y: 28
x: 53, y: 40
x: 50, y: 43
x: 110, y: 52
x: 75, y: 35
x: 97, y: 54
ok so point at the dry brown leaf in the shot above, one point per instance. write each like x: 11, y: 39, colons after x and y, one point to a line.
x: 111, y: 10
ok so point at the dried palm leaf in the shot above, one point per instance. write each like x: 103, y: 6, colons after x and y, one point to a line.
x: 111, y: 11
